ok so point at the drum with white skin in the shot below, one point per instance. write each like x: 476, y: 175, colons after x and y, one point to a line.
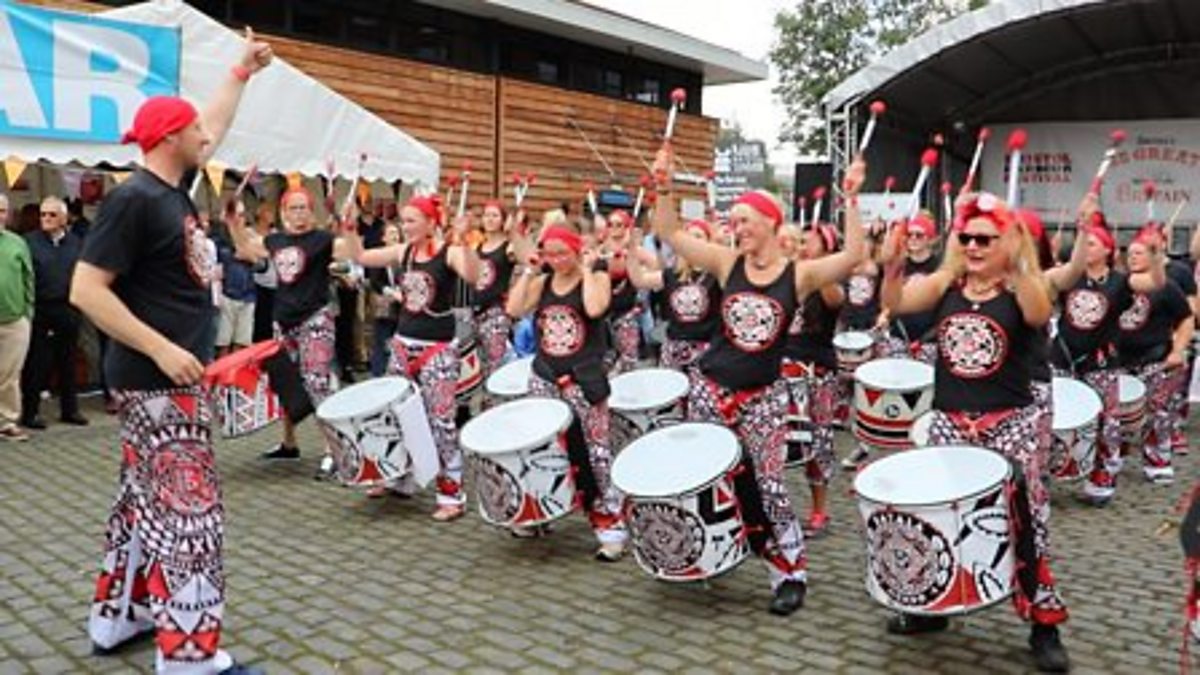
x: 511, y: 380
x: 889, y: 395
x: 1131, y: 413
x: 379, y: 432
x: 853, y: 348
x: 684, y: 520
x: 937, y: 529
x: 1076, y: 421
x: 517, y: 453
x: 648, y: 397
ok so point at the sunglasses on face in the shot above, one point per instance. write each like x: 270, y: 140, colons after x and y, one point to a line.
x: 981, y: 240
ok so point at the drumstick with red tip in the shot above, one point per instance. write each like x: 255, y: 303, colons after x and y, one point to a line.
x: 710, y: 187
x: 529, y: 180
x: 1016, y: 143
x: 466, y: 187
x: 1115, y: 139
x: 878, y: 108
x: 803, y: 215
x: 980, y: 141
x: 516, y: 183
x: 358, y: 172
x: 1174, y: 215
x: 947, y: 204
x: 249, y: 177
x: 928, y: 159
x: 641, y: 195
x: 818, y: 201
x: 591, y: 198
x: 888, y: 184
x: 1148, y: 189
x: 451, y: 183
x: 678, y: 98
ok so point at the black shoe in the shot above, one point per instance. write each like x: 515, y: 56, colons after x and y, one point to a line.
x: 241, y: 669
x: 1049, y: 654
x: 76, y: 419
x: 35, y: 423
x: 120, y: 647
x: 789, y: 597
x: 915, y: 624
x: 281, y: 451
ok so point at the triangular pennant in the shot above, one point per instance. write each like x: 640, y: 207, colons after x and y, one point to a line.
x: 912, y: 397
x: 120, y: 176
x: 216, y: 175
x: 872, y: 395
x: 13, y: 168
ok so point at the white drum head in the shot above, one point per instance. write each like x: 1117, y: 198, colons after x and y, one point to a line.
x: 1132, y: 388
x: 1075, y: 404
x: 895, y: 374
x: 515, y: 426
x: 853, y: 341
x: 363, y: 398
x: 511, y: 379
x: 647, y: 389
x: 929, y: 476
x: 675, y: 460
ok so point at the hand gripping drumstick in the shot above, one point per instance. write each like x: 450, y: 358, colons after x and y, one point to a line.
x: 984, y: 134
x: 1115, y: 139
x: 928, y: 159
x: 641, y: 196
x: 1016, y: 143
x: 466, y: 186
x: 678, y: 98
x: 1148, y: 189
x: 818, y: 195
x: 878, y: 108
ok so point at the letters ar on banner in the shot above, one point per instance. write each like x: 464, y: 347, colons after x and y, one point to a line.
x: 74, y: 77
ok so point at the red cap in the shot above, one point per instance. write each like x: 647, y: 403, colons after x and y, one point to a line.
x: 157, y: 118
x: 763, y: 204
x: 565, y: 235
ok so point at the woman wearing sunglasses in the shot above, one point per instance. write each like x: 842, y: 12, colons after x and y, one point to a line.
x: 989, y: 303
x: 624, y: 311
x: 738, y: 382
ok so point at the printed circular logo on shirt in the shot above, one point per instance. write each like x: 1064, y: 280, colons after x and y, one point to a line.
x: 1086, y: 308
x: 689, y: 302
x: 753, y: 321
x: 201, y: 264
x: 561, y: 329
x: 1138, y: 313
x: 796, y: 327
x: 860, y: 289
x: 289, y: 264
x: 973, y: 345
x: 487, y: 275
x: 418, y: 288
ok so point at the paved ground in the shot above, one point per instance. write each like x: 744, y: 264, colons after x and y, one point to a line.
x: 323, y: 580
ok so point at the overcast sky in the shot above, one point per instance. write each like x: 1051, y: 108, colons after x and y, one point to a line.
x: 742, y: 25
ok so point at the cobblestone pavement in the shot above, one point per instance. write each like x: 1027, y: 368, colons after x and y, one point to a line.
x: 323, y: 580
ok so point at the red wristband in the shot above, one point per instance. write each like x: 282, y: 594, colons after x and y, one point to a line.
x: 242, y: 73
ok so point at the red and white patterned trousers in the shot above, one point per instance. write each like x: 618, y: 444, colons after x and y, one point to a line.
x: 437, y: 379
x: 311, y: 346
x: 494, y: 325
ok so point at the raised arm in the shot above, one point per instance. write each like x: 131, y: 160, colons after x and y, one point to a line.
x: 597, y: 287
x: 461, y: 258
x: 524, y: 292
x: 715, y: 259
x: 898, y: 297
x: 247, y: 244
x: 816, y: 274
x: 218, y: 113
x: 639, y: 276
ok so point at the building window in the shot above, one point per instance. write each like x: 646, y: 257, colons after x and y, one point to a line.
x: 646, y: 90
x: 612, y: 83
x: 316, y: 19
x: 547, y: 71
x: 368, y: 31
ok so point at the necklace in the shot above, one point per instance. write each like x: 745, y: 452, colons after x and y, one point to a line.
x: 760, y: 264
x: 978, y: 289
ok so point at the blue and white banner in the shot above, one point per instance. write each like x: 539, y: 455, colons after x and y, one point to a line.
x: 80, y: 78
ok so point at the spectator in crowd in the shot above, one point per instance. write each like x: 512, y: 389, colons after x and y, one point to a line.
x: 55, y: 332
x: 76, y: 221
x: 235, y: 328
x: 265, y: 280
x: 383, y: 305
x: 16, y: 307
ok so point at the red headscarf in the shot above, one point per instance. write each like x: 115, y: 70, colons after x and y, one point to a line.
x: 623, y: 216
x: 1105, y: 237
x: 298, y: 190
x: 496, y: 203
x: 763, y: 204
x: 1033, y: 222
x: 157, y: 118
x: 701, y: 225
x: 565, y: 235
x: 987, y: 206
x: 430, y: 206
x: 924, y: 223
x: 1149, y: 235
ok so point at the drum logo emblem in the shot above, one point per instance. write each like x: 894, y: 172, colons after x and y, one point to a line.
x: 487, y: 275
x: 1086, y: 308
x: 418, y: 288
x: 753, y: 321
x: 669, y: 539
x: 1135, y: 317
x: 201, y: 266
x: 689, y: 302
x: 974, y: 345
x: 860, y: 289
x: 289, y: 264
x: 562, y: 330
x: 910, y: 559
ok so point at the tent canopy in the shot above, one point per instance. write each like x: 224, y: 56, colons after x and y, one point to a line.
x: 287, y: 121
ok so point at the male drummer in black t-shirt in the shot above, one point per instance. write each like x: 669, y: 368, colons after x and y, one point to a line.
x: 143, y: 278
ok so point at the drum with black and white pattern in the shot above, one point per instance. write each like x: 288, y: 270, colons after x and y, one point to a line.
x: 889, y: 395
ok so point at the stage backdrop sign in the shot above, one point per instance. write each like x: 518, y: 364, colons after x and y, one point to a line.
x: 73, y: 77
x: 1061, y: 159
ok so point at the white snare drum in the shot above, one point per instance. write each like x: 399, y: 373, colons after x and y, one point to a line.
x: 1077, y: 409
x: 889, y: 394
x: 854, y: 348
x: 649, y: 396
x: 919, y: 433
x: 470, y: 375
x: 518, y: 457
x: 511, y: 380
x: 1131, y: 413
x: 684, y: 520
x: 937, y: 529
x: 379, y: 432
x: 240, y: 390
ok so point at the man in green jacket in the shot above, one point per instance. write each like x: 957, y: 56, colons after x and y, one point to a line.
x: 16, y: 308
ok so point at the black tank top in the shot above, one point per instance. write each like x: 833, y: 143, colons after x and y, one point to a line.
x: 624, y: 297
x: 747, y: 349
x: 1039, y: 356
x: 691, y: 305
x: 861, y: 310
x: 568, y: 341
x: 495, y: 273
x: 810, y: 335
x: 984, y: 354
x: 1088, y: 328
x: 428, y: 289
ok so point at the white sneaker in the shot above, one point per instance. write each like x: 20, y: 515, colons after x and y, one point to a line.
x: 1160, y: 475
x: 1097, y: 495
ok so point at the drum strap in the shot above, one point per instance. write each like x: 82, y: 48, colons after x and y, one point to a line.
x: 729, y: 403
x: 801, y: 369
x: 427, y: 354
x: 974, y: 425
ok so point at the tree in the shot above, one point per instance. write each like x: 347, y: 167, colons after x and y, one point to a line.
x: 822, y: 42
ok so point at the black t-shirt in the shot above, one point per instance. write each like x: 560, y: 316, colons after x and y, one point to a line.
x: 428, y: 289
x: 916, y: 327
x: 810, y: 335
x: 568, y: 340
x: 984, y: 354
x: 691, y: 305
x: 862, y: 301
x: 1087, y: 329
x: 747, y: 350
x: 1148, y: 325
x: 1181, y: 273
x: 495, y: 273
x: 147, y: 233
x: 302, y: 263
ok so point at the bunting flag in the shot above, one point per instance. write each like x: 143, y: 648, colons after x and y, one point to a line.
x: 71, y: 179
x: 13, y: 168
x: 295, y: 180
x: 216, y: 176
x: 120, y: 176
